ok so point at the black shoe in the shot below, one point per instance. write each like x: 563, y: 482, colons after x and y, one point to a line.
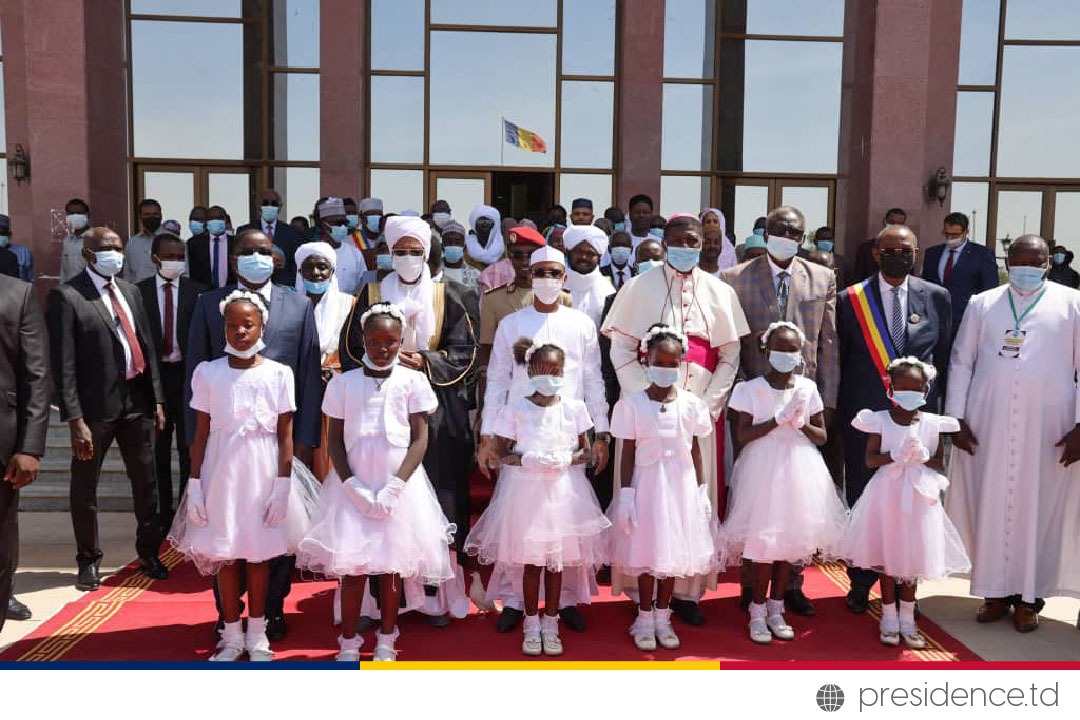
x: 364, y: 624
x: 745, y: 598
x: 275, y: 628
x: 687, y: 611
x: 508, y: 619
x: 603, y: 576
x: 797, y: 602
x: 153, y: 568
x: 438, y: 621
x: 572, y: 618
x: 219, y: 628
x: 858, y: 601
x: 17, y: 611
x: 88, y: 578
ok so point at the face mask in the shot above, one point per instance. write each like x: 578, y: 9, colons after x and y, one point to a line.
x: 546, y: 385
x: 372, y: 222
x: 338, y: 233
x: 683, y: 259
x: 384, y: 262
x: 316, y: 288
x: 1059, y: 258
x: 453, y: 253
x: 408, y: 267
x: 619, y: 227
x: 647, y: 265
x: 216, y: 227
x: 657, y: 233
x: 78, y: 221
x: 109, y: 262
x: 172, y: 269
x: 760, y: 232
x: 368, y: 362
x: 954, y: 243
x: 826, y: 245
x: 909, y: 399
x: 245, y: 354
x: 151, y: 224
x: 256, y: 268
x: 620, y: 255
x: 896, y: 266
x: 1025, y: 278
x: 197, y: 227
x: 784, y: 362
x: 547, y: 290
x: 662, y: 376
x: 441, y: 219
x: 781, y: 248
x: 269, y: 213
x: 5, y: 240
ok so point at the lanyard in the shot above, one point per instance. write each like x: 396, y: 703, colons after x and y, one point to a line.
x: 1012, y: 306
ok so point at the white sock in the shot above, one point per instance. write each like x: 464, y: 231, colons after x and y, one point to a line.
x: 889, y: 621
x: 757, y: 610
x: 256, y: 626
x: 234, y: 630
x: 907, y: 613
x: 775, y: 607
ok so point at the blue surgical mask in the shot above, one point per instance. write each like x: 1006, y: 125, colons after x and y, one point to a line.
x: 546, y: 385
x: 5, y: 240
x: 760, y: 232
x: 1059, y: 258
x: 384, y: 262
x: 453, y: 253
x: 909, y: 399
x: 619, y: 227
x: 216, y: 227
x: 269, y: 213
x: 353, y: 219
x: 1025, y: 278
x: 657, y: 233
x: 683, y: 259
x: 339, y: 233
x: 255, y: 268
x: 316, y: 288
x: 647, y: 265
x: 662, y: 376
x: 372, y: 222
x: 197, y: 227
x: 620, y: 255
x: 784, y: 362
x: 109, y: 262
x: 826, y: 245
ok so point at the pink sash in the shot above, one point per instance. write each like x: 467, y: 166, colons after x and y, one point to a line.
x: 702, y: 353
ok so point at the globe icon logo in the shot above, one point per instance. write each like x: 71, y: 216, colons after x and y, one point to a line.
x: 830, y: 698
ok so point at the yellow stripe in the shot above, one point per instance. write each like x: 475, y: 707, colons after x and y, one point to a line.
x: 875, y: 332
x: 542, y: 665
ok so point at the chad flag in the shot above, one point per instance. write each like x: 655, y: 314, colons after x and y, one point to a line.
x: 522, y: 138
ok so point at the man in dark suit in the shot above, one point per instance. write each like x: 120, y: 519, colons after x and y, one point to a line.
x: 209, y: 252
x: 620, y: 252
x: 24, y: 387
x: 169, y: 300
x: 918, y: 322
x: 280, y: 233
x: 291, y: 339
x: 864, y: 254
x: 105, y: 370
x: 961, y: 266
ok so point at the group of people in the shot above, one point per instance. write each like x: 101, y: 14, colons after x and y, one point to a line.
x: 654, y: 404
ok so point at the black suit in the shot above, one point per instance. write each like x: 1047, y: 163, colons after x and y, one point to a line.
x: 974, y: 271
x: 286, y: 238
x: 24, y: 396
x: 185, y: 293
x: 9, y: 263
x: 199, y: 260
x: 608, y: 271
x: 88, y: 370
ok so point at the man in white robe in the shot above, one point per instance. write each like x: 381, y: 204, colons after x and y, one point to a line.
x: 1015, y: 494
x: 589, y: 288
x: 708, y: 312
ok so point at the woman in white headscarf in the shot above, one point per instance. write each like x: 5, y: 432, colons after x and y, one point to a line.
x: 485, y: 246
x: 714, y: 223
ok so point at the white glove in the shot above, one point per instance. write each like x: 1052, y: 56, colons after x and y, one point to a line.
x: 798, y: 414
x: 910, y: 452
x: 704, y: 502
x: 387, y: 498
x: 626, y: 510
x: 359, y: 495
x: 196, y: 505
x: 278, y: 503
x: 792, y: 411
x: 542, y: 461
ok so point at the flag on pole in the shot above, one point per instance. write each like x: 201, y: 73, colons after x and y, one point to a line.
x: 521, y: 138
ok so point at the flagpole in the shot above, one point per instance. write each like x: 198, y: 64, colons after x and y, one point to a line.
x: 502, y: 143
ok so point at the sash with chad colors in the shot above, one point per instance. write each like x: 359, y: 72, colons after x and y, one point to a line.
x: 872, y: 324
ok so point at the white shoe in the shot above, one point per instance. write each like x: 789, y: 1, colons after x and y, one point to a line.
x: 384, y: 648
x: 549, y: 635
x: 349, y: 649
x: 779, y: 627
x: 665, y: 634
x: 889, y: 631
x: 912, y: 637
x: 644, y: 631
x: 258, y: 647
x: 532, y: 645
x: 229, y: 650
x: 759, y: 631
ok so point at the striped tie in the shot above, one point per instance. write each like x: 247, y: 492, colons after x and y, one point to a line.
x: 782, y: 293
x: 897, y: 324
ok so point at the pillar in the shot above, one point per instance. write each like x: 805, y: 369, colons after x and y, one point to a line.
x: 639, y: 111
x: 343, y: 73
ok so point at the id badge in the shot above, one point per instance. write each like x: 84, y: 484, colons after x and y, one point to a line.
x: 1014, y: 340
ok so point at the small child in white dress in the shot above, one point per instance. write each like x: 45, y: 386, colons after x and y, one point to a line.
x: 663, y: 522
x: 237, y: 499
x: 784, y: 508
x: 899, y: 527
x: 384, y: 518
x: 544, y: 515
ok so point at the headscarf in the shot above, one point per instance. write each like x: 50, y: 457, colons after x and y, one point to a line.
x: 728, y: 257
x: 417, y: 300
x: 333, y: 310
x: 588, y: 291
x: 493, y: 253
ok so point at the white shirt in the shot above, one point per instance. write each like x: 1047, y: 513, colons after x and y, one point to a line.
x: 620, y: 276
x: 266, y: 291
x: 100, y: 283
x: 350, y: 267
x: 945, y: 258
x: 223, y: 258
x: 887, y: 301
x: 175, y: 356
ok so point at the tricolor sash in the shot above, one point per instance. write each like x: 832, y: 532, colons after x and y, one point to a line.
x: 875, y: 331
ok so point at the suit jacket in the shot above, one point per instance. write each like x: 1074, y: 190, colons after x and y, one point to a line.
x: 200, y: 268
x: 286, y: 238
x: 607, y: 369
x: 974, y: 271
x: 609, y: 272
x: 811, y: 306
x: 186, y: 295
x: 291, y: 339
x: 24, y: 371
x: 87, y: 357
x: 929, y: 338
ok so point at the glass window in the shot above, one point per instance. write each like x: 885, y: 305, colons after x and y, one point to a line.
x: 588, y: 40
x: 176, y: 193
x: 463, y: 194
x: 399, y: 189
x: 974, y: 120
x: 1040, y: 117
x: 296, y: 33
x: 1019, y: 212
x: 686, y: 143
x: 751, y: 202
x: 177, y: 66
x: 683, y: 193
x: 1042, y: 20
x: 477, y: 79
x: 397, y: 119
x: 192, y: 8
x: 296, y: 116
x: 588, y: 121
x: 979, y: 42
x: 524, y: 13
x: 581, y: 185
x: 232, y: 191
x: 792, y: 106
x: 689, y: 32
x: 1066, y: 210
x: 970, y: 198
x: 299, y: 188
x: 811, y: 200
x: 397, y: 35
x: 795, y: 17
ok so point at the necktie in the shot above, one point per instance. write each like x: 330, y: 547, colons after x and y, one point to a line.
x: 782, y: 293
x: 168, y: 319
x: 138, y: 362
x: 896, y: 331
x: 270, y: 230
x: 948, y: 267
x: 214, y: 261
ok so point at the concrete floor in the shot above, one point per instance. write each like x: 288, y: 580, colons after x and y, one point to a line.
x: 46, y: 577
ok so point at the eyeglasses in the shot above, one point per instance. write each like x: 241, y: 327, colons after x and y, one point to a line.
x: 519, y: 254
x: 402, y: 252
x: 903, y: 252
x: 256, y: 251
x: 542, y: 273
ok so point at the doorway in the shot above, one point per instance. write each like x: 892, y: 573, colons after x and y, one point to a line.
x: 179, y: 188
x: 523, y: 195
x: 744, y: 200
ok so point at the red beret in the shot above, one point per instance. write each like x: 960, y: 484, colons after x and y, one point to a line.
x: 523, y: 235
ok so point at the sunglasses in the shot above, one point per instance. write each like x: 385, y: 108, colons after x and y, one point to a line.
x: 255, y: 251
x: 542, y: 273
x: 519, y: 254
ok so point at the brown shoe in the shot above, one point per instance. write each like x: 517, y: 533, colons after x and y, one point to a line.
x: 992, y: 610
x: 1025, y: 619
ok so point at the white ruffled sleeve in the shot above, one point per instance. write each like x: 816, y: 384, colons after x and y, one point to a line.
x: 333, y: 404
x: 814, y: 403
x: 741, y: 399
x: 700, y: 419
x: 582, y: 418
x: 200, y: 388
x: 285, y: 399
x: 948, y: 424
x: 504, y: 423
x: 421, y: 397
x: 622, y: 420
x: 867, y: 421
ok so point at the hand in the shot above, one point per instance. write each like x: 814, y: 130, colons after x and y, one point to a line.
x: 626, y: 510
x: 486, y: 459
x: 965, y: 440
x: 600, y: 454
x: 412, y: 359
x: 520, y: 347
x: 278, y: 503
x: 82, y: 441
x: 388, y: 498
x: 1071, y: 445
x: 159, y: 417
x: 304, y: 453
x: 196, y: 505
x: 22, y: 470
x: 704, y: 502
x: 359, y: 495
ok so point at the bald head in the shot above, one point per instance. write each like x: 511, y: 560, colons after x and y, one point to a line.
x: 101, y: 238
x: 786, y: 221
x: 897, y: 236
x: 1029, y: 250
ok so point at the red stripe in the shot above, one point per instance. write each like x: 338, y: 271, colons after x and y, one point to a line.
x: 863, y: 320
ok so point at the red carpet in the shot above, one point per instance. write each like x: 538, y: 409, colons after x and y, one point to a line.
x: 132, y: 618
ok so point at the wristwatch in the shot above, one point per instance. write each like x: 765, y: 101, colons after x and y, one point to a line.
x: 605, y: 436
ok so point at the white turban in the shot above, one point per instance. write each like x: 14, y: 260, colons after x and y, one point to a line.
x: 333, y: 309
x: 577, y: 234
x: 322, y: 249
x: 547, y: 254
x: 415, y: 300
x: 493, y: 252
x: 402, y: 226
x: 588, y: 291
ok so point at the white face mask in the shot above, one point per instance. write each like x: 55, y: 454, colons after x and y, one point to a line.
x: 408, y: 267
x: 547, y: 290
x: 77, y: 221
x: 172, y: 269
x: 781, y: 248
x: 953, y: 243
x: 371, y: 364
x: 245, y: 354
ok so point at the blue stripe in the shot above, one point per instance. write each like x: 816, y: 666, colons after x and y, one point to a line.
x: 879, y: 321
x: 511, y: 132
